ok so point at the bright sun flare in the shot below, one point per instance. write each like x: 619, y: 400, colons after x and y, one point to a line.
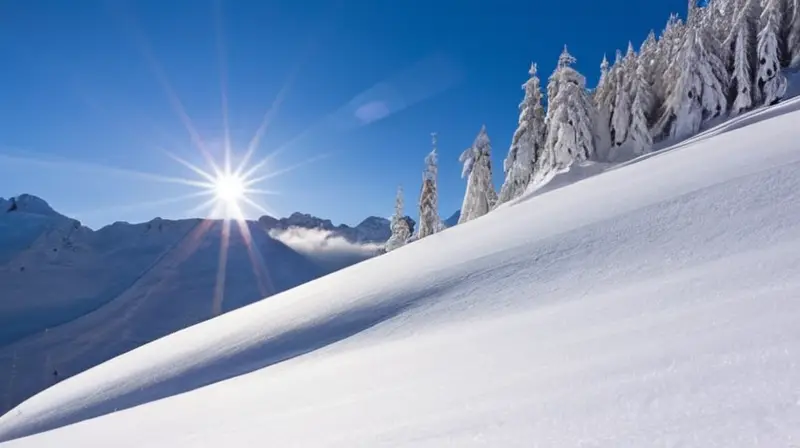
x: 229, y: 188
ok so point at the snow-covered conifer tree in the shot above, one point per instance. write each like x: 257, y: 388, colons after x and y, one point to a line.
x: 648, y: 59
x: 527, y: 143
x: 554, y: 81
x: 602, y: 121
x: 771, y: 82
x: 429, y: 220
x: 480, y: 196
x: 742, y: 43
x: 570, y: 114
x: 696, y: 83
x: 639, y: 133
x: 722, y: 16
x: 400, y: 229
x: 793, y: 37
x: 621, y: 116
x: 668, y: 48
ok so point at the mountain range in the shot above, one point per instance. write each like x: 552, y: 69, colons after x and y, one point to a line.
x: 125, y: 285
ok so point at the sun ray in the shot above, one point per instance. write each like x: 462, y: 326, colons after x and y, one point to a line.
x: 207, y: 205
x: 192, y: 167
x: 223, y: 80
x: 222, y: 266
x: 260, y: 271
x: 144, y: 205
x: 102, y: 169
x: 271, y: 113
x: 257, y: 206
x: 262, y: 128
x: 260, y: 191
x: 143, y: 45
x: 270, y: 175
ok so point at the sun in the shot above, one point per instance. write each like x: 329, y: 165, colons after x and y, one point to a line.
x: 229, y: 188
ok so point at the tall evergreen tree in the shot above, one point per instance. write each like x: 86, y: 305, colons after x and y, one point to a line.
x: 648, y: 59
x: 429, y: 220
x: 667, y: 49
x: 527, y: 143
x: 601, y: 97
x: 570, y: 113
x: 793, y: 36
x: 400, y: 229
x: 621, y: 117
x: 696, y: 83
x: 723, y: 15
x: 615, y: 81
x: 742, y: 43
x: 771, y: 82
x: 639, y: 133
x: 480, y: 196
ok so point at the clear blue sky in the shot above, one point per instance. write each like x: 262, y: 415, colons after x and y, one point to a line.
x: 81, y: 93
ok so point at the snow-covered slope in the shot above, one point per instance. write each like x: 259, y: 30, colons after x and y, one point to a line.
x: 652, y: 305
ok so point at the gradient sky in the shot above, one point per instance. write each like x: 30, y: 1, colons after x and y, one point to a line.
x: 91, y: 93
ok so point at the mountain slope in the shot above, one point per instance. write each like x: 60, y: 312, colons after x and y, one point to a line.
x: 651, y: 305
x: 71, y: 298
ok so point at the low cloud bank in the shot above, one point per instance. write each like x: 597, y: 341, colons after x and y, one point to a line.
x: 325, y: 247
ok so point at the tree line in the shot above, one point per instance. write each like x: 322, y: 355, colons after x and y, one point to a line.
x: 726, y: 58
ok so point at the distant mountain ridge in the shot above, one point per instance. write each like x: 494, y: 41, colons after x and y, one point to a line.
x: 33, y: 235
x: 371, y: 230
x: 125, y: 284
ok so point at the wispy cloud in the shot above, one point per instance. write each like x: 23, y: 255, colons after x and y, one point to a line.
x: 372, y: 111
x: 325, y: 247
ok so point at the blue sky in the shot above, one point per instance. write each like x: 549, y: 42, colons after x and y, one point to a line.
x: 361, y: 85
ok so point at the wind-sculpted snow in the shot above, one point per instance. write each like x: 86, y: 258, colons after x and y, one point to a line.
x: 651, y: 305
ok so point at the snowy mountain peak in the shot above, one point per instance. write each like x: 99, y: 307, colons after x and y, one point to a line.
x: 373, y: 223
x: 308, y: 221
x: 28, y: 203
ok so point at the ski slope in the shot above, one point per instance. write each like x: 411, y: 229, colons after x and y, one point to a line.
x: 652, y: 305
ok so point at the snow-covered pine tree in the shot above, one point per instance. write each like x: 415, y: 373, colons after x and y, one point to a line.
x: 527, y: 143
x: 696, y: 83
x: 615, y: 82
x: 602, y: 120
x: 570, y: 111
x: 672, y: 40
x: 429, y: 220
x: 400, y: 229
x: 793, y: 37
x: 648, y: 59
x: 770, y: 81
x: 639, y: 133
x: 621, y: 116
x: 722, y: 16
x: 554, y: 82
x: 480, y: 196
x: 709, y: 18
x: 742, y: 43
x: 667, y: 49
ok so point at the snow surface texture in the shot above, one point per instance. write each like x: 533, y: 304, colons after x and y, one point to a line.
x: 652, y: 305
x: 72, y: 298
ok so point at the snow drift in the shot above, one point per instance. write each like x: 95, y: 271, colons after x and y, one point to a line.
x: 652, y: 305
